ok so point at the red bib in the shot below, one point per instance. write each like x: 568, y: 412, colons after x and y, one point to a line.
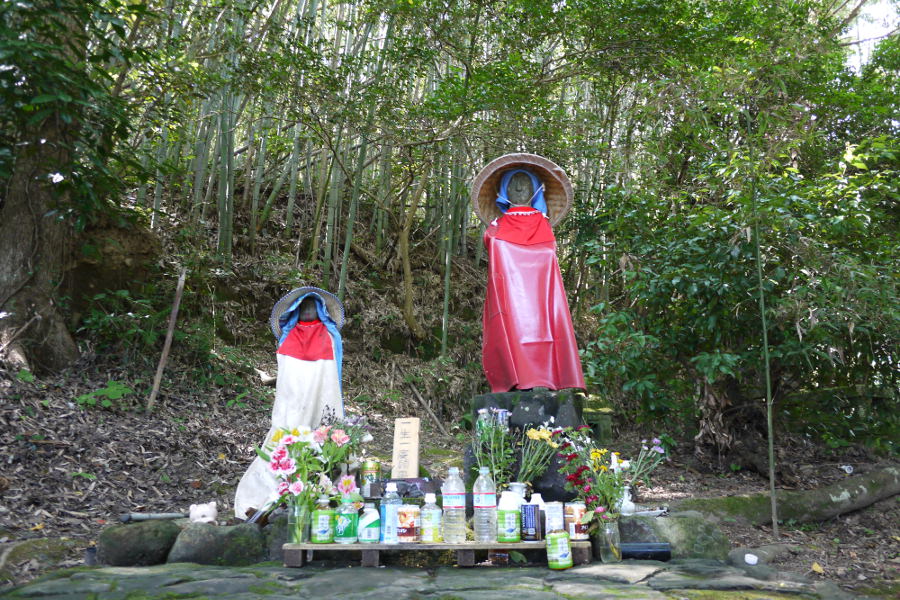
x: 308, y: 341
x: 523, y: 225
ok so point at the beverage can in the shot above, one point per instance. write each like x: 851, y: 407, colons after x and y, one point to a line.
x: 559, y: 553
x: 370, y: 470
x: 574, y: 513
x: 508, y: 526
x: 369, y: 525
x: 322, y: 526
x: 430, y: 530
x: 408, y: 523
x: 531, y: 523
x: 554, y: 516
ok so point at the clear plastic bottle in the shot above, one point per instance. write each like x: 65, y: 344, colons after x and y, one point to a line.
x: 430, y: 530
x: 454, y: 500
x: 484, y: 494
x: 369, y: 525
x: 390, y: 504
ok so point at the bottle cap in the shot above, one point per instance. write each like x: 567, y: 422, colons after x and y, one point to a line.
x: 453, y: 471
x: 391, y: 487
x: 430, y: 498
x: 323, y: 500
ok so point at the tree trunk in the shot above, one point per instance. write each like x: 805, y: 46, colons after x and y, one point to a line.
x: 35, y: 246
x: 805, y: 506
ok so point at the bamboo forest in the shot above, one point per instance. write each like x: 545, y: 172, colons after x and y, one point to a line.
x: 727, y: 255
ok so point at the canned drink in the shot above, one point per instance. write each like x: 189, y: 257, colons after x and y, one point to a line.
x: 554, y: 516
x: 370, y: 470
x: 531, y: 523
x: 408, y: 523
x: 574, y: 513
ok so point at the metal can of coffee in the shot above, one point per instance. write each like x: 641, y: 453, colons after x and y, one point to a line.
x: 574, y: 513
x: 554, y: 516
x: 531, y: 523
x: 408, y: 523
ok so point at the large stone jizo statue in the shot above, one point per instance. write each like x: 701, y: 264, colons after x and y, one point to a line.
x: 529, y: 341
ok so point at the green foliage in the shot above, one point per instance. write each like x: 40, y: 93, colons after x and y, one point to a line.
x: 25, y: 376
x: 109, y: 396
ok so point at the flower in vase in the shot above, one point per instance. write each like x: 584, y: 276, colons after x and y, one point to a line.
x: 296, y: 488
x: 340, y: 437
x: 285, y: 466
x: 347, y: 485
x: 321, y: 434
x: 283, y: 488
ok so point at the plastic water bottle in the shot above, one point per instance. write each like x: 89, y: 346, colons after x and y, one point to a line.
x: 390, y: 504
x: 454, y: 499
x: 369, y: 525
x: 484, y: 494
x: 430, y: 530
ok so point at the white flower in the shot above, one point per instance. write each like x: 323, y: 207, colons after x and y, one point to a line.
x: 367, y: 438
x: 56, y: 177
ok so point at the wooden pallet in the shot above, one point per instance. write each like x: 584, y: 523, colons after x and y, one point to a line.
x: 296, y: 555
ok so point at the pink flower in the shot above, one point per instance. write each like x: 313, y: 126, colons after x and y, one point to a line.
x: 347, y: 485
x: 339, y: 437
x: 586, y: 488
x: 279, y: 453
x: 296, y: 488
x: 657, y: 441
x: 321, y: 434
x: 599, y: 510
x: 288, y: 440
x: 285, y: 466
x: 282, y: 488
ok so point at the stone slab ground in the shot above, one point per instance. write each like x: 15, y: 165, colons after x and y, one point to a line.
x: 695, y: 579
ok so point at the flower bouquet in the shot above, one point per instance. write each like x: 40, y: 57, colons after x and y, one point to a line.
x: 589, y: 475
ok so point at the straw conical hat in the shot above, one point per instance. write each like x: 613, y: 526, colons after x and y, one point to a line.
x: 557, y: 187
x: 332, y: 304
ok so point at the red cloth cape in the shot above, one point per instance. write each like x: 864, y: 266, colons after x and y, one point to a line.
x: 529, y: 340
x: 308, y: 341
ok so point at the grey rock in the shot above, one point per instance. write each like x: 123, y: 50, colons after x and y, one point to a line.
x: 453, y: 579
x: 670, y: 580
x: 226, y: 587
x: 275, y: 533
x: 498, y: 594
x: 134, y: 544
x: 208, y: 544
x: 625, y: 572
x: 592, y: 590
x: 689, y: 536
x: 567, y: 415
x: 359, y: 583
x: 530, y: 411
x: 63, y: 587
x: 552, y: 484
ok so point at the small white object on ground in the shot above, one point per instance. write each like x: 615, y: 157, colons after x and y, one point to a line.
x: 751, y: 559
x: 848, y: 469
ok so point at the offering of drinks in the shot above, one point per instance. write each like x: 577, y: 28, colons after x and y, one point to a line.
x: 531, y: 523
x: 346, y: 522
x: 408, y: 523
x: 559, y: 553
x: 454, y: 500
x: 322, y: 529
x: 574, y: 513
x: 369, y: 524
x: 389, y: 507
x: 508, y: 518
x: 484, y: 495
x: 430, y: 530
x: 554, y: 516
x: 369, y: 472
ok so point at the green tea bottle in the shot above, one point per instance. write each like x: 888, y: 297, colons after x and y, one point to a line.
x: 322, y: 525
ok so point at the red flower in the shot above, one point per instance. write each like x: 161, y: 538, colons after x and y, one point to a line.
x: 572, y: 456
x: 586, y: 488
x: 591, y: 499
x: 580, y: 427
x: 570, y: 477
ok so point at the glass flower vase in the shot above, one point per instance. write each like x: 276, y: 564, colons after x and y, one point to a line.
x: 606, y: 542
x: 298, y: 521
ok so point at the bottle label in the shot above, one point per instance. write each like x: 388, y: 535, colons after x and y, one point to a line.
x: 322, y: 530
x: 345, y: 526
x: 454, y: 501
x: 431, y: 526
x: 559, y: 555
x: 485, y: 500
x: 508, y: 526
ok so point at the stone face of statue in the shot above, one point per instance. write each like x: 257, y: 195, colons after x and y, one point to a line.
x: 519, y: 190
x: 308, y: 310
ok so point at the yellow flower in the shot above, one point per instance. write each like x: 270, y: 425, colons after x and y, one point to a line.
x: 603, y: 468
x: 295, y: 432
x: 533, y: 434
x: 276, y: 437
x: 596, y: 454
x: 553, y: 444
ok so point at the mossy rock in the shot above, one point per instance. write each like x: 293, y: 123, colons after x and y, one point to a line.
x: 690, y: 534
x: 47, y: 551
x: 137, y: 544
x: 208, y: 544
